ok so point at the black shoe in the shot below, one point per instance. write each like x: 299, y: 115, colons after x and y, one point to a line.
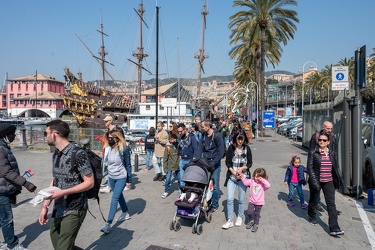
x: 319, y: 208
x: 313, y: 221
x: 157, y: 177
x: 162, y: 178
x: 336, y: 232
x: 338, y: 212
x: 250, y: 225
x: 255, y: 228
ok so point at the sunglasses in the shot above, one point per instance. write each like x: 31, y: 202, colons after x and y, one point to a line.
x: 324, y: 140
x: 45, y: 133
x: 180, y: 131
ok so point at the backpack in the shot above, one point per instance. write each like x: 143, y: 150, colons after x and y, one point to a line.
x: 97, y: 170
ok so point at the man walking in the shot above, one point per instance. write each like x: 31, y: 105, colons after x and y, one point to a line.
x: 71, y: 204
x: 11, y: 183
x: 187, y: 148
x: 212, y: 149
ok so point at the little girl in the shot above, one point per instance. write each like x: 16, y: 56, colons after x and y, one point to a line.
x: 258, y: 185
x: 295, y: 178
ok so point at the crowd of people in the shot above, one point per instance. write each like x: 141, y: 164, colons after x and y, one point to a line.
x: 168, y: 152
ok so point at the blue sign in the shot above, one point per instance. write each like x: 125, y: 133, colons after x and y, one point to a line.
x: 288, y: 111
x: 268, y: 119
x: 141, y: 124
x: 340, y: 76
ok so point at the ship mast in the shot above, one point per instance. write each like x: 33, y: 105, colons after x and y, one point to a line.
x: 102, y: 54
x: 200, y: 55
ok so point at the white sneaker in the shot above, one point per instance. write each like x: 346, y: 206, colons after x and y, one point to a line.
x: 105, y: 190
x: 19, y: 247
x: 123, y: 217
x: 227, y: 224
x: 106, y: 228
x: 164, y: 195
x: 3, y: 246
x: 126, y: 188
x: 238, y: 222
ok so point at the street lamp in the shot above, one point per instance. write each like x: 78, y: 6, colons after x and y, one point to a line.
x: 373, y: 83
x: 328, y: 97
x: 247, y: 92
x: 286, y: 96
x: 303, y: 81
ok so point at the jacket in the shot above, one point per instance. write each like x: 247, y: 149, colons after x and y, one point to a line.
x: 171, y: 159
x: 125, y: 160
x: 160, y: 143
x: 301, y: 170
x: 313, y: 170
x: 212, y: 148
x: 10, y: 178
x: 150, y: 141
x: 229, y: 160
x: 332, y: 146
x: 188, y: 147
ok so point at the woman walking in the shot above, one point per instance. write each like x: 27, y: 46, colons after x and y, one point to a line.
x: 238, y: 160
x: 117, y: 162
x: 324, y: 174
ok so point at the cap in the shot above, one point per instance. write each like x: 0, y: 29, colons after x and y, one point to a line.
x: 7, y: 129
x: 108, y: 118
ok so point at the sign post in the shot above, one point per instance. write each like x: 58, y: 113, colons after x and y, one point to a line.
x: 340, y: 77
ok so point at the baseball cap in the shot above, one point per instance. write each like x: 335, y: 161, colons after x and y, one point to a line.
x: 108, y: 118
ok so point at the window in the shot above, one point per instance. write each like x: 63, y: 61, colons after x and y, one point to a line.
x: 46, y: 101
x: 19, y: 95
x: 161, y: 107
x: 11, y: 102
x: 21, y: 101
x: 148, y: 107
x: 11, y: 96
x: 38, y: 102
x: 54, y: 102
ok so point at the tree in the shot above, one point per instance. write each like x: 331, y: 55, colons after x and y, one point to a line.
x: 267, y: 21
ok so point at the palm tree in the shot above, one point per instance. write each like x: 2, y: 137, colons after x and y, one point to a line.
x: 264, y: 20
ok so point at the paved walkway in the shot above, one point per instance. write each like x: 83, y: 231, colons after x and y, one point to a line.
x: 281, y: 227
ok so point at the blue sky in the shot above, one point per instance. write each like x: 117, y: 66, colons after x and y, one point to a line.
x: 40, y: 35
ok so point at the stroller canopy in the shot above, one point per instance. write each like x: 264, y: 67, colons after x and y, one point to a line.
x: 196, y: 174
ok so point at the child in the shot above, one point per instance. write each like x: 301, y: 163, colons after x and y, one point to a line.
x: 258, y: 185
x: 170, y: 162
x: 295, y: 178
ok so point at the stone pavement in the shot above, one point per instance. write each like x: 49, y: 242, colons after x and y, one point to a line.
x: 281, y: 226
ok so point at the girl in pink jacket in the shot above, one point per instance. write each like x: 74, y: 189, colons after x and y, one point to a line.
x: 258, y: 185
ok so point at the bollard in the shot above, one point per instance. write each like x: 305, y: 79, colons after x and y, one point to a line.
x: 23, y: 138
x: 135, y: 162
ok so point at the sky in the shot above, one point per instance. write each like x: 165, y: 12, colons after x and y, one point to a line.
x: 40, y: 36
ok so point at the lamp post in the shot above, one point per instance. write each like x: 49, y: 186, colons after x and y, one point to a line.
x: 303, y: 81
x: 373, y: 83
x: 257, y: 103
x: 328, y: 97
x: 286, y: 96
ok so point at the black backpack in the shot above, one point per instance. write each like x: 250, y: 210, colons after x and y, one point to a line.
x: 97, y: 170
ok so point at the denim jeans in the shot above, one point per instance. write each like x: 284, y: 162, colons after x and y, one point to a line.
x: 216, y: 193
x: 117, y: 186
x: 231, y: 189
x: 157, y: 162
x: 168, y: 179
x: 149, y: 155
x: 329, y: 196
x: 6, y: 221
x: 292, y: 186
x: 183, y: 163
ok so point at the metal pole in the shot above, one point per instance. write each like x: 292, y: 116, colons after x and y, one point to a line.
x: 347, y: 143
x: 328, y: 102
x: 303, y: 82
x: 286, y: 97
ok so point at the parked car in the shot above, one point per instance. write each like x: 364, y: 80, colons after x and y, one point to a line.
x: 298, y: 135
x: 295, y: 125
x: 368, y: 167
x: 293, y: 131
x: 286, y: 123
x: 284, y: 129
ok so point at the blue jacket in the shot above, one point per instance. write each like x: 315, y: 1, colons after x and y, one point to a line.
x: 300, y: 172
x: 188, y: 147
x: 212, y: 148
x: 126, y: 161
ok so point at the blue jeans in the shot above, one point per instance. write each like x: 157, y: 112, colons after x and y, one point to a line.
x: 216, y: 193
x: 231, y: 189
x: 6, y: 221
x: 117, y: 186
x: 157, y: 162
x: 168, y: 179
x: 292, y: 186
x: 149, y: 154
x: 183, y: 163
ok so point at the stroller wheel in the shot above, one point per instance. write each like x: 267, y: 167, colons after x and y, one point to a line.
x: 171, y: 226
x: 199, y: 229
x: 194, y: 228
x: 209, y: 217
x: 177, y: 226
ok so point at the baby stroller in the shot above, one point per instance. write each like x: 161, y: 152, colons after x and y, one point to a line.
x: 197, y: 194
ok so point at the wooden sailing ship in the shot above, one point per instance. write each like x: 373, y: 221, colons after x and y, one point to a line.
x: 89, y: 103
